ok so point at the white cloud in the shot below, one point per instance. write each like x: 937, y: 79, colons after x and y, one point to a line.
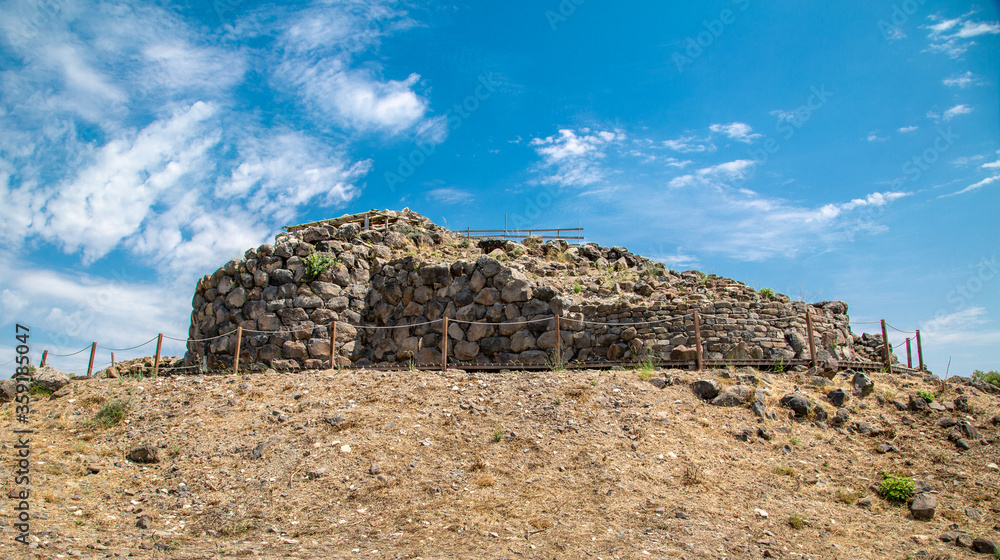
x: 830, y: 211
x: 690, y: 144
x: 974, y: 186
x: 716, y: 176
x: 874, y: 137
x: 448, y: 195
x: 991, y: 165
x: 738, y: 131
x: 962, y: 80
x: 907, y: 129
x: 575, y: 156
x: 955, y: 111
x: 952, y: 36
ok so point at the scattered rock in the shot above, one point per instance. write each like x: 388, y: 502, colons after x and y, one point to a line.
x: 923, y: 506
x: 705, y: 389
x: 838, y: 397
x: 734, y: 396
x: 984, y: 546
x: 143, y: 454
x: 798, y: 403
x: 862, y: 384
x: 917, y: 404
x: 144, y: 522
x: 50, y: 378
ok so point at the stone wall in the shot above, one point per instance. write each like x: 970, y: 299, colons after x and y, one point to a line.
x: 388, y: 307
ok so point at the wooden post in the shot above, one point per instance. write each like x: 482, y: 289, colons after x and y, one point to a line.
x: 920, y: 353
x: 812, y: 343
x: 45, y: 356
x: 333, y: 344
x: 558, y: 342
x: 886, y: 351
x: 112, y: 359
x: 444, y: 346
x: 909, y: 357
x: 697, y: 341
x: 93, y: 351
x: 156, y: 360
x: 236, y: 361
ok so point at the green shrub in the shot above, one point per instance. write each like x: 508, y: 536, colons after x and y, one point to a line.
x: 36, y: 390
x: 767, y: 293
x: 992, y: 377
x: 797, y: 521
x: 111, y: 414
x: 926, y: 395
x: 318, y: 263
x: 896, y: 488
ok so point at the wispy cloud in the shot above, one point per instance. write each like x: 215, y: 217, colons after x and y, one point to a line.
x: 738, y: 131
x: 907, y: 129
x: 874, y: 137
x: 450, y: 195
x: 575, y: 156
x: 715, y: 176
x: 962, y: 80
x: 955, y: 111
x: 690, y: 144
x: 975, y: 186
x: 953, y: 36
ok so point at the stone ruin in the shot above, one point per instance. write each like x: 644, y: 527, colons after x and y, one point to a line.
x: 393, y: 276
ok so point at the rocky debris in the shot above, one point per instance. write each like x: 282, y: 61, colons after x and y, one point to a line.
x: 797, y: 403
x: 838, y: 397
x: 734, y: 396
x: 862, y: 384
x: 144, y: 367
x: 917, y: 404
x: 705, y: 389
x: 984, y: 545
x: 50, y: 378
x: 143, y: 454
x: 923, y: 507
x: 8, y: 390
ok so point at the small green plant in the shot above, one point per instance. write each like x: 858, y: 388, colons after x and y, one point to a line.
x: 647, y: 366
x: 767, y: 293
x: 558, y: 400
x: 593, y: 383
x: 36, y: 390
x: 497, y: 435
x: 175, y: 450
x: 848, y: 497
x: 111, y: 414
x: 783, y: 470
x: 557, y: 363
x: 578, y: 287
x: 794, y: 440
x: 992, y: 377
x: 926, y: 395
x: 797, y: 521
x: 317, y: 263
x: 896, y: 488
x: 779, y: 365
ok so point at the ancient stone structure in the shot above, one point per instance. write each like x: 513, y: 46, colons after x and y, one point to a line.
x: 389, y: 287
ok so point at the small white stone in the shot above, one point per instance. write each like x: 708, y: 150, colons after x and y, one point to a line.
x: 761, y: 513
x: 993, y: 466
x: 345, y: 448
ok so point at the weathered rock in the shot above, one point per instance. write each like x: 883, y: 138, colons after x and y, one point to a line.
x: 143, y: 454
x: 917, y: 404
x: 923, y: 506
x: 734, y: 396
x: 466, y: 351
x: 705, y: 389
x: 50, y: 378
x: 516, y: 290
x: 862, y: 384
x: 838, y: 397
x: 682, y: 352
x: 8, y: 390
x: 798, y: 403
x: 984, y: 545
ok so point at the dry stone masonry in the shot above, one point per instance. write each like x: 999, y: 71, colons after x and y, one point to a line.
x: 389, y: 286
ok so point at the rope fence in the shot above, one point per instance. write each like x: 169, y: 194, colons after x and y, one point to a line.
x: 696, y: 317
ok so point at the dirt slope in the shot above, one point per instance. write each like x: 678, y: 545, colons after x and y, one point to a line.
x: 589, y: 464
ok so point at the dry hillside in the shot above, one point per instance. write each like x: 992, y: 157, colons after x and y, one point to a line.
x: 543, y: 464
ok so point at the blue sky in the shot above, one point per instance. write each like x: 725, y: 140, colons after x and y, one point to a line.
x: 849, y: 152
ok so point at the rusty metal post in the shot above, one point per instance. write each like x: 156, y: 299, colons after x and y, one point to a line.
x: 93, y: 351
x: 920, y: 352
x: 812, y: 343
x: 239, y: 339
x: 156, y: 361
x: 45, y: 356
x: 909, y: 356
x: 886, y: 350
x: 697, y: 341
x: 444, y: 345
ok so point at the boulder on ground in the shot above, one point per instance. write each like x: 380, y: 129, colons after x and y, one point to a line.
x: 50, y: 378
